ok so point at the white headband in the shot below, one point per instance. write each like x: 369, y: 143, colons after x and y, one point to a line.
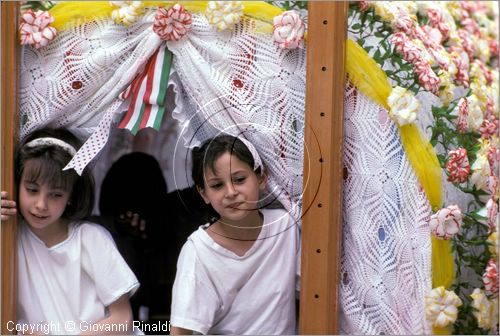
x: 257, y: 162
x: 52, y: 142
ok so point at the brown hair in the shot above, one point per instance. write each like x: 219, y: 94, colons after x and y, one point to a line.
x: 205, y: 156
x: 48, y: 160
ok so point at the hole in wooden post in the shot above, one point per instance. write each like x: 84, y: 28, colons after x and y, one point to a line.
x: 320, y: 205
x: 323, y: 68
x: 320, y: 159
x: 318, y: 251
x: 316, y: 296
x: 325, y: 22
x: 322, y: 114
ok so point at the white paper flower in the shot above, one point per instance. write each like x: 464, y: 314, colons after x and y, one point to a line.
x: 446, y: 222
x: 441, y: 307
x: 493, y: 243
x: 403, y: 106
x: 480, y: 172
x: 475, y: 118
x: 288, y: 30
x: 486, y: 312
x: 126, y: 12
x: 224, y: 14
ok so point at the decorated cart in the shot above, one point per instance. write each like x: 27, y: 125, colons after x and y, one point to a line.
x: 378, y: 122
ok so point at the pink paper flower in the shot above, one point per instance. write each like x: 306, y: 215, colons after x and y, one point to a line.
x: 458, y: 166
x: 436, y: 20
x: 35, y: 28
x: 492, y: 214
x: 446, y: 223
x: 172, y: 24
x: 490, y: 277
x: 288, y: 30
x: 493, y: 45
x: 467, y: 43
x: 489, y: 128
x: 492, y: 186
x: 461, y: 60
x: 427, y: 77
x: 363, y: 6
x: 470, y: 26
x: 434, y: 34
x: 404, y: 46
x: 493, y: 158
x: 463, y: 115
x: 403, y: 23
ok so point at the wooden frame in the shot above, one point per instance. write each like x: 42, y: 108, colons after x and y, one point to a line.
x: 322, y: 202
x: 9, y: 127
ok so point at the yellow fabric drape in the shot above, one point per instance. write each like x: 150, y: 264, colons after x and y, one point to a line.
x: 72, y: 13
x: 372, y: 81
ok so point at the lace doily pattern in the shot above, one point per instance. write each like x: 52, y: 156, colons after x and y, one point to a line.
x: 386, y: 252
x: 241, y: 83
x: 77, y: 78
x: 237, y: 82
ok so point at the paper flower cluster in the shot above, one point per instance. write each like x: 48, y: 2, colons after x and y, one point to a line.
x: 458, y: 166
x: 224, y: 14
x: 441, y: 307
x: 126, y: 12
x: 403, y: 106
x: 485, y: 311
x: 490, y: 277
x: 173, y: 23
x: 446, y: 223
x: 35, y: 28
x: 288, y: 30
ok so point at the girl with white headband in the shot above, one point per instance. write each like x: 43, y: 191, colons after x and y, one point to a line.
x: 238, y: 275
x: 71, y: 278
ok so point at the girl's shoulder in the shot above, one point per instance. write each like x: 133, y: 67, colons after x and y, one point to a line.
x: 276, y: 214
x: 90, y: 229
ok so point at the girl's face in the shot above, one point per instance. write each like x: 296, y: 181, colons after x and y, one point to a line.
x: 232, y: 189
x: 41, y: 205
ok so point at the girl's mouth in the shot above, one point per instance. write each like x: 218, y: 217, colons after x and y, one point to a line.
x: 235, y: 205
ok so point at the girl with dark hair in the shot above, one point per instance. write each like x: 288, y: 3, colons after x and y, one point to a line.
x: 71, y: 278
x: 239, y: 274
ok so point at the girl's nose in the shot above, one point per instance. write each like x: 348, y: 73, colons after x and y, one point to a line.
x: 41, y: 203
x: 231, y: 191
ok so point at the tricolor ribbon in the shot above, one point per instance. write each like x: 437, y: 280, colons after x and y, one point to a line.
x: 148, y: 92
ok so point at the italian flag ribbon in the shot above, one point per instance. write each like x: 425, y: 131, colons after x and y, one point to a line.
x: 148, y: 92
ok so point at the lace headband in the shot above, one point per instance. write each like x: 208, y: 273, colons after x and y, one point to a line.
x: 45, y: 142
x: 257, y: 162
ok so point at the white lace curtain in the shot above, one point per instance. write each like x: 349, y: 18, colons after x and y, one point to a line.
x: 237, y: 82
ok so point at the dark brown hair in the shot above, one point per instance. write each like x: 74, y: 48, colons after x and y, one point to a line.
x: 48, y: 160
x: 205, y: 156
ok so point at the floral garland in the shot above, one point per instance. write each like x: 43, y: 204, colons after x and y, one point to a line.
x: 171, y: 22
x: 437, y: 48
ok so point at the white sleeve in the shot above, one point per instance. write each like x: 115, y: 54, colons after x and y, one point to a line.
x: 194, y: 300
x: 105, y: 265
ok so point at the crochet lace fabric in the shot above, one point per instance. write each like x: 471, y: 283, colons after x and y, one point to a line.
x: 74, y: 79
x: 386, y: 252
x: 237, y: 82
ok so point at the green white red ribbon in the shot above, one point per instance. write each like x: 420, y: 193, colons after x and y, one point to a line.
x: 148, y: 92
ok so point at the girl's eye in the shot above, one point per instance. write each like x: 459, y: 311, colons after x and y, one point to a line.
x: 216, y: 186
x: 239, y: 180
x: 57, y: 195
x: 31, y: 190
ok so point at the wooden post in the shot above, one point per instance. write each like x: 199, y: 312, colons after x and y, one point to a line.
x: 322, y: 198
x: 9, y: 127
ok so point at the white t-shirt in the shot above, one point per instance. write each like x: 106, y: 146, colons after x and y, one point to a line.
x: 70, y: 284
x: 219, y: 292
